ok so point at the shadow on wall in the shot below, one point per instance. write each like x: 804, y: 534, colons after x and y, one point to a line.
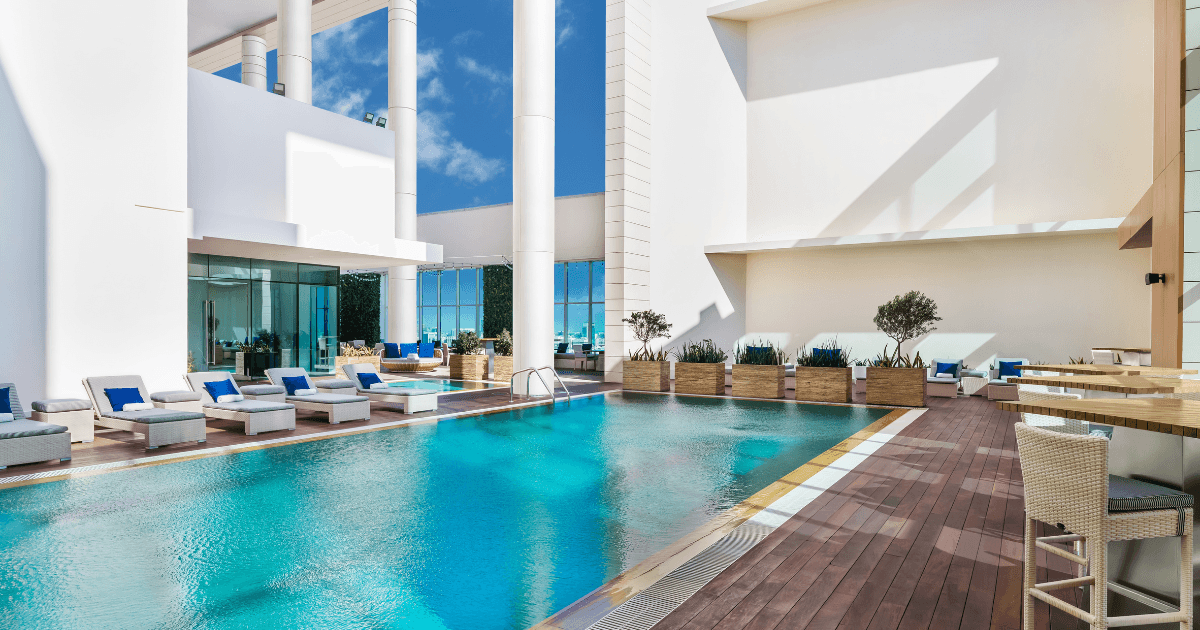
x: 23, y: 258
x: 724, y: 330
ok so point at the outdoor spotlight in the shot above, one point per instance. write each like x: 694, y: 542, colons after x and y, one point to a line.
x: 382, y: 122
x: 1155, y: 278
x: 368, y: 117
x: 278, y: 89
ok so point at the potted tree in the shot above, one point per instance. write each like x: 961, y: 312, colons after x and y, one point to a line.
x: 700, y: 369
x: 468, y: 362
x: 502, y: 363
x: 758, y: 371
x: 647, y: 370
x: 824, y: 375
x: 895, y: 379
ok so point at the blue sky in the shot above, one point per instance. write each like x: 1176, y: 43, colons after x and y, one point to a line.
x: 465, y: 110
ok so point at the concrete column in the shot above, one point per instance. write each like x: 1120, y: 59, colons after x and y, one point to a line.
x: 533, y: 186
x: 254, y: 62
x: 402, y: 118
x: 295, y: 49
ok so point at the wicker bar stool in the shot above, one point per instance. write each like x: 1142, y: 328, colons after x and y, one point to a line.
x: 1067, y: 482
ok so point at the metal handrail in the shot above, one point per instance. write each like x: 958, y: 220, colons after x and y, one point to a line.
x: 538, y: 371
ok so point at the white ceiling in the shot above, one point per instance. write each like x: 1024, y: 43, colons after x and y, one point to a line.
x: 213, y: 20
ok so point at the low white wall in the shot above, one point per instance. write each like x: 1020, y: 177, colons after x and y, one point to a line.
x: 880, y: 116
x: 105, y: 105
x: 1045, y: 298
x: 482, y: 235
x: 257, y: 155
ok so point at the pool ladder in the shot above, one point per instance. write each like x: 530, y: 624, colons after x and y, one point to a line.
x: 531, y: 372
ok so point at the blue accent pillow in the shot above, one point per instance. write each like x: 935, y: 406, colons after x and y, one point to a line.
x: 1008, y: 368
x: 118, y: 397
x: 292, y: 383
x: 832, y: 354
x: 5, y: 401
x: 391, y: 351
x: 757, y: 350
x: 946, y: 368
x: 367, y: 379
x: 425, y: 350
x: 216, y: 389
x: 562, y: 348
x: 409, y: 348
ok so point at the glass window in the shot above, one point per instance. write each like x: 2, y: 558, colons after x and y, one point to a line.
x: 559, y: 293
x: 449, y: 287
x: 466, y: 319
x: 227, y: 267
x: 467, y: 286
x: 449, y: 329
x: 274, y: 271
x: 578, y: 281
x: 577, y: 323
x: 198, y: 265
x: 429, y: 288
x: 429, y: 323
x: 318, y: 274
x: 598, y: 281
x: 597, y: 325
x: 558, y: 323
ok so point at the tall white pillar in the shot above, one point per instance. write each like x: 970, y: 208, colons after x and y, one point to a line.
x: 402, y: 118
x: 533, y: 185
x: 254, y: 62
x: 295, y: 49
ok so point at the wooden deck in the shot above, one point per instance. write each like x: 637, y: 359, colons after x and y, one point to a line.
x: 925, y: 534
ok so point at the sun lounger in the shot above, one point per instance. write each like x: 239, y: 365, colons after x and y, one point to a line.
x: 339, y: 407
x: 160, y: 426
x: 25, y: 441
x: 256, y: 416
x: 410, y: 400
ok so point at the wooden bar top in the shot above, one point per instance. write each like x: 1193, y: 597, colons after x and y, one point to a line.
x: 1102, y: 370
x: 1117, y: 383
x: 1138, y: 350
x: 1163, y: 415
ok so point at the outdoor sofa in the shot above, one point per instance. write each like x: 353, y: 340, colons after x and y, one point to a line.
x: 394, y: 357
x: 160, y: 426
x: 25, y: 441
x: 410, y: 400
x: 339, y: 407
x: 256, y: 416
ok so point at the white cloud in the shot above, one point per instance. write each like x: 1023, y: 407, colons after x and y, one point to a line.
x: 335, y: 52
x: 331, y: 94
x: 565, y: 20
x: 428, y: 62
x: 465, y: 37
x: 564, y: 34
x: 437, y: 150
x: 434, y: 90
x: 486, y: 72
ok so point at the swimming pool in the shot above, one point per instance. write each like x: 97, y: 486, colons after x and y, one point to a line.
x: 442, y: 385
x: 493, y: 521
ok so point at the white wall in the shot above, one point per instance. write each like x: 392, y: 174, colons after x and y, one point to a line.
x: 104, y: 101
x: 482, y: 235
x: 253, y: 154
x: 879, y: 116
x: 994, y: 297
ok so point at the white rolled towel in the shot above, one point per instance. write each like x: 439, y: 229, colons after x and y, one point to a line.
x: 944, y: 375
x: 6, y: 417
x: 305, y: 392
x: 142, y: 406
x: 227, y: 398
x: 379, y: 386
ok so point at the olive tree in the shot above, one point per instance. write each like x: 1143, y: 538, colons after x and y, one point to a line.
x: 648, y: 326
x: 907, y: 317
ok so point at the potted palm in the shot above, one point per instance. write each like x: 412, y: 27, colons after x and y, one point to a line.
x: 700, y: 369
x: 895, y: 379
x: 502, y: 363
x: 824, y: 375
x: 468, y: 362
x: 758, y: 370
x: 646, y: 370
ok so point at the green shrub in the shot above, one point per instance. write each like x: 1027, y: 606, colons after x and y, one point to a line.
x: 829, y: 358
x: 648, y: 355
x: 503, y: 344
x: 761, y: 353
x: 700, y: 352
x: 497, y: 300
x: 358, y: 307
x: 886, y: 360
x: 467, y: 342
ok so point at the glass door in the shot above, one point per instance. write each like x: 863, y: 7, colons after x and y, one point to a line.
x: 226, y: 322
x: 318, y: 328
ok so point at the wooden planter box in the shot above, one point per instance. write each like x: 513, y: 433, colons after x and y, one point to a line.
x: 502, y: 368
x: 700, y: 378
x: 646, y: 376
x: 903, y: 387
x: 468, y: 367
x: 758, y: 381
x: 824, y: 384
x: 338, y: 362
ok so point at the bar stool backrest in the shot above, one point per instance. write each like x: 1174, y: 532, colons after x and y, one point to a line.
x: 1066, y: 478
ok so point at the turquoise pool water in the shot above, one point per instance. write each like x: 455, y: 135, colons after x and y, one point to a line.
x: 442, y: 384
x: 482, y: 522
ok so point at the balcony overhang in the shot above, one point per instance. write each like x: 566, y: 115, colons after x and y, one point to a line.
x: 746, y: 10
x: 244, y: 237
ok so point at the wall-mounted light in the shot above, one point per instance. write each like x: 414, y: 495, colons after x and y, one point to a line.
x: 368, y: 117
x: 1155, y: 278
x: 382, y: 122
x: 279, y: 89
